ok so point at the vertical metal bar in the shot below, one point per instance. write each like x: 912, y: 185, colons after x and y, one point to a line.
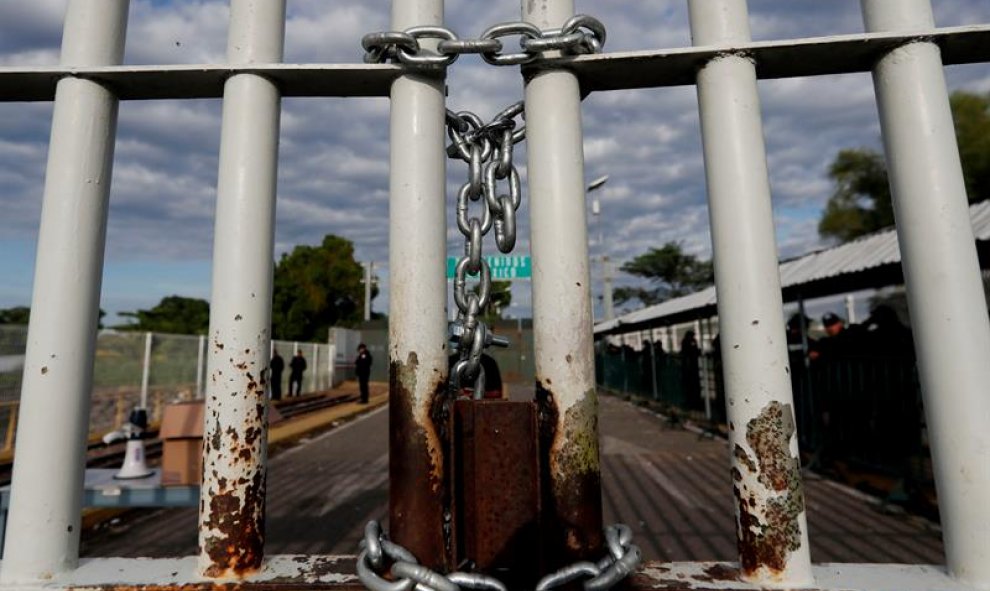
x: 200, y: 358
x: 653, y: 367
x: 368, y: 267
x: 146, y: 369
x: 331, y: 356
x: 942, y: 275
x: 46, y: 496
x: 562, y: 318
x: 417, y: 303
x: 314, y: 380
x: 232, y: 506
x: 771, y: 526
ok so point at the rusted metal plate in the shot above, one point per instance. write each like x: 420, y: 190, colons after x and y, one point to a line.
x: 418, y: 475
x: 319, y: 572
x: 497, y: 487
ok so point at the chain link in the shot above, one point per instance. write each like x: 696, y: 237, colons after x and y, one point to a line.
x: 581, y: 34
x: 622, y: 559
x: 487, y: 150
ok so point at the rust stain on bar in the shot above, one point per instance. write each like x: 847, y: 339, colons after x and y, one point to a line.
x: 232, y: 506
x: 571, y: 478
x: 768, y: 528
x: 418, y: 491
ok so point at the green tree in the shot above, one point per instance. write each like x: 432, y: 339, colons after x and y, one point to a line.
x: 21, y: 315
x: 174, y: 315
x: 861, y: 202
x: 671, y: 272
x: 317, y: 287
x: 15, y: 315
x: 499, y: 300
x: 971, y: 115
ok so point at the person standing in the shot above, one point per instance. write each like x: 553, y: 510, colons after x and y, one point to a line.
x: 690, y: 370
x: 296, y: 369
x: 277, y: 367
x: 362, y: 366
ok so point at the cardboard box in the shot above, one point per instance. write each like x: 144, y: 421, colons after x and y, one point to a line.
x: 181, y: 433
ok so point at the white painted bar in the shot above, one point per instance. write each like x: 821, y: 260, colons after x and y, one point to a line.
x: 418, y: 290
x: 563, y: 346
x: 231, y: 520
x: 43, y: 526
x: 146, y: 368
x: 754, y: 348
x: 942, y: 275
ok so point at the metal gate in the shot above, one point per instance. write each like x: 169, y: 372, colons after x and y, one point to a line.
x: 903, y: 50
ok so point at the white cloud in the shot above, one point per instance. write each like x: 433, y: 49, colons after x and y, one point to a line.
x: 334, y: 152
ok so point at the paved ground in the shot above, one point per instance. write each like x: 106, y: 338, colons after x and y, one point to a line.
x: 671, y: 486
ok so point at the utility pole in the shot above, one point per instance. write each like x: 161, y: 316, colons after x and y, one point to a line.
x: 608, y: 309
x: 368, y: 268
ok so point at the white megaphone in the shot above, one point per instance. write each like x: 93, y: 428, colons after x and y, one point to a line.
x: 134, y: 465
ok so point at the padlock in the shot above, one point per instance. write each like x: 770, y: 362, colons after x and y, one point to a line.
x: 496, y: 499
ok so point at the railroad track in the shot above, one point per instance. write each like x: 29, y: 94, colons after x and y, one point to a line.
x: 103, y: 456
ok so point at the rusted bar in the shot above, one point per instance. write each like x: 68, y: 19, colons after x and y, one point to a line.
x: 232, y: 505
x: 562, y: 318
x: 418, y: 491
x: 766, y: 471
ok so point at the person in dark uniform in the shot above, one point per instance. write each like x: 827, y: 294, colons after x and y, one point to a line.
x: 296, y: 369
x: 362, y: 366
x: 277, y: 367
x: 690, y: 366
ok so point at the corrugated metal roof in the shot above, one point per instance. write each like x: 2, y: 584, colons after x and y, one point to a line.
x: 868, y: 252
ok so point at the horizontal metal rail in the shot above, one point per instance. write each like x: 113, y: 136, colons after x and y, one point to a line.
x: 336, y: 572
x: 202, y: 81
x: 789, y: 58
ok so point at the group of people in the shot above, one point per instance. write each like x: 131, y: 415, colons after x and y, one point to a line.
x: 881, y: 335
x: 297, y: 367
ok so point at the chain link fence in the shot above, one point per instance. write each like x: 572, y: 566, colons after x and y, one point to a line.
x: 153, y: 369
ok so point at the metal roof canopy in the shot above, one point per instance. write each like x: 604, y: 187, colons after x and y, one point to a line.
x: 869, y: 262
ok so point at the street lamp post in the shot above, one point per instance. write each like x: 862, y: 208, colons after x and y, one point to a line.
x: 596, y: 210
x: 369, y: 268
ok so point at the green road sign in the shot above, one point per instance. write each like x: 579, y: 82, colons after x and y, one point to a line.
x: 504, y: 268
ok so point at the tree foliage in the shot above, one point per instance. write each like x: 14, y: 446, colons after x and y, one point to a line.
x: 317, y: 287
x: 15, y: 315
x: 499, y: 300
x: 671, y: 272
x: 861, y: 202
x: 174, y: 315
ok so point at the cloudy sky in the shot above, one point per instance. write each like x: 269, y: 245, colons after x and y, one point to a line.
x: 333, y: 173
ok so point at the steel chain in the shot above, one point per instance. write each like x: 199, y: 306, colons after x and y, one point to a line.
x: 622, y: 559
x: 581, y: 34
x: 487, y: 150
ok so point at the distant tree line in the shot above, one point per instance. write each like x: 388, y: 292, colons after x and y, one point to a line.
x: 315, y: 288
x: 861, y: 202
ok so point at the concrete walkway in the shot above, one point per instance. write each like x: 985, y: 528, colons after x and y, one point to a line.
x: 671, y: 486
